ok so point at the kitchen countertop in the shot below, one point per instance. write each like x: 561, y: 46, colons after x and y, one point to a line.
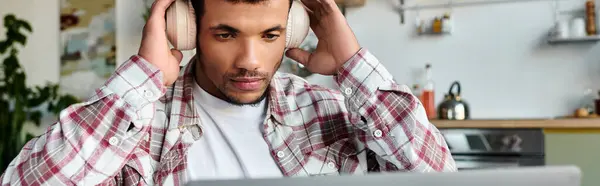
x: 559, y: 123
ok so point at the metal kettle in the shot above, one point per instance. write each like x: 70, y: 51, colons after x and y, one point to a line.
x: 453, y: 107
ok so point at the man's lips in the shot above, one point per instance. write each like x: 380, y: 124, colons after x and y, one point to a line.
x: 247, y: 84
x: 247, y: 79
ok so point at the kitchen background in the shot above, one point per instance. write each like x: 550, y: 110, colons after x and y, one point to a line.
x: 498, y: 52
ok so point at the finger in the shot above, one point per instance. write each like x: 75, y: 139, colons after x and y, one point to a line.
x: 298, y: 55
x: 313, y: 21
x: 320, y: 6
x: 177, y: 54
x: 159, y: 8
x: 310, y: 4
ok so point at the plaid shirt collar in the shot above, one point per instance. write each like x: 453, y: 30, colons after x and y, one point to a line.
x: 187, y: 118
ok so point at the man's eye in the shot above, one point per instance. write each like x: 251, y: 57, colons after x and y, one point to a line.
x: 271, y: 36
x: 225, y: 36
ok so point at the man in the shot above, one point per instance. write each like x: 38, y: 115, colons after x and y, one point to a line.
x: 228, y: 115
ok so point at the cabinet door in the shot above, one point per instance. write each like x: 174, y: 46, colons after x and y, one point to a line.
x: 577, y: 147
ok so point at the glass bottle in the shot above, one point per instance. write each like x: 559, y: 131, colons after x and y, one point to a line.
x: 437, y: 25
x: 590, y: 9
x: 597, y: 104
x: 427, y: 93
x: 588, y: 100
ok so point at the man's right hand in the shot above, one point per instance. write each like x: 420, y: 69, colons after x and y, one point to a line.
x: 155, y: 46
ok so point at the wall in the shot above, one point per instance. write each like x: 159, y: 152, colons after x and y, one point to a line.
x: 497, y: 52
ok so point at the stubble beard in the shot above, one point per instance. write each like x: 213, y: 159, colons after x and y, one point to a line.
x: 231, y: 97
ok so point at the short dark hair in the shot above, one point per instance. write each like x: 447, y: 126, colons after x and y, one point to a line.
x: 198, y: 6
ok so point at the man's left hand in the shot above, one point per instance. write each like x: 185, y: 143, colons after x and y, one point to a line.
x: 336, y: 44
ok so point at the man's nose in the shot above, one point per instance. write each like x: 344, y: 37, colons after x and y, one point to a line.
x: 248, y: 55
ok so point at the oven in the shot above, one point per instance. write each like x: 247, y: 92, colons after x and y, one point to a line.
x: 495, y: 148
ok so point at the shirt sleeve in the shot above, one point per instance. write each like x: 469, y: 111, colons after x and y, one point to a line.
x: 92, y: 140
x: 390, y: 120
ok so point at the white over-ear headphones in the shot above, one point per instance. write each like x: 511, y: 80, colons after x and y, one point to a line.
x: 181, y: 25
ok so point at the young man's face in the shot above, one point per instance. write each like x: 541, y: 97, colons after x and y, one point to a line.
x: 241, y: 46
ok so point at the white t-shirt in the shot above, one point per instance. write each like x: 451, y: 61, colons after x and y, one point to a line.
x: 232, y: 146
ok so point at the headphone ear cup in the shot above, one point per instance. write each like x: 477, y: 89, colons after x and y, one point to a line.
x: 181, y: 25
x: 297, y: 26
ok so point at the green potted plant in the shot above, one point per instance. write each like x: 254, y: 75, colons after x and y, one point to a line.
x: 19, y: 104
x: 147, y: 9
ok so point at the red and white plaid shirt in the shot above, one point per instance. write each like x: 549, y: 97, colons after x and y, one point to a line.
x: 136, y: 131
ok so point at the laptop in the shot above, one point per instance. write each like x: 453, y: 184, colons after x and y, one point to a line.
x: 519, y: 176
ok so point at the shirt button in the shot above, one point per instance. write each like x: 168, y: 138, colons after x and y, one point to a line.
x: 378, y: 133
x: 280, y: 154
x: 113, y: 141
x: 331, y: 165
x: 148, y: 93
x: 348, y: 91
